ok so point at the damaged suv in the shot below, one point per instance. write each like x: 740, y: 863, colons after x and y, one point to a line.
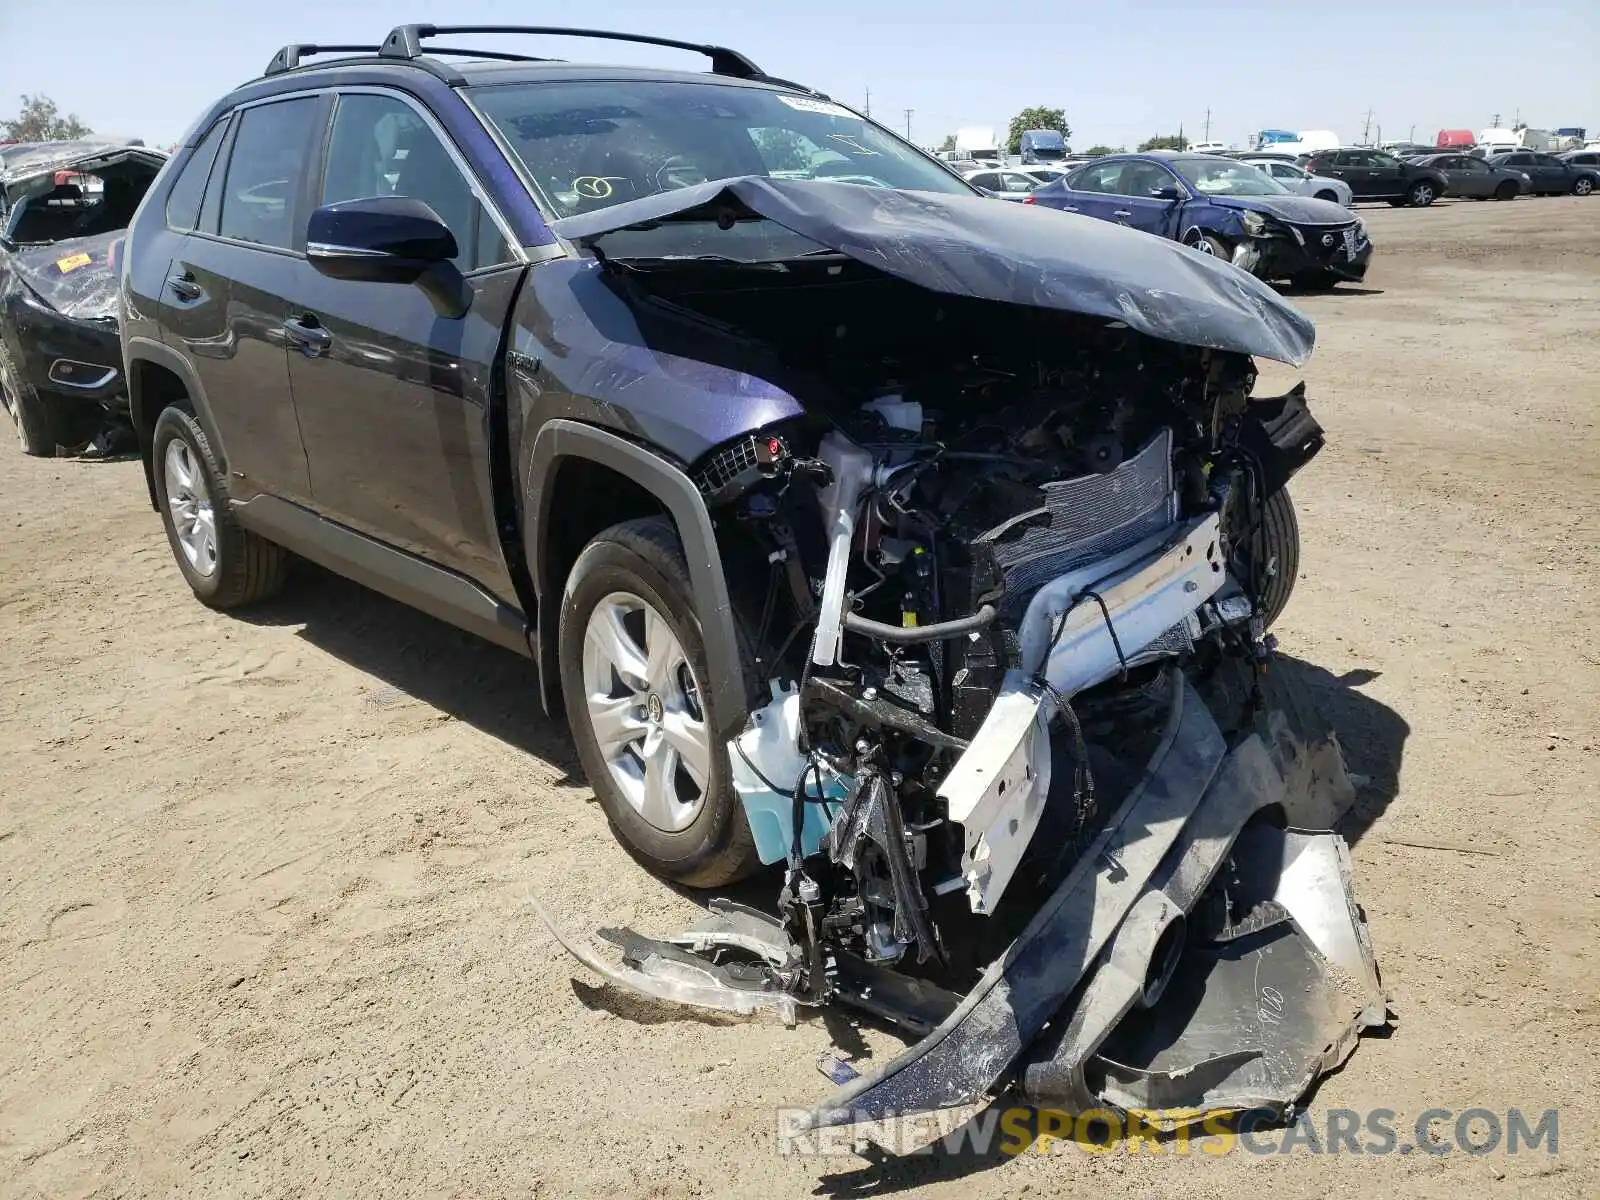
x: 857, y: 523
x: 64, y: 207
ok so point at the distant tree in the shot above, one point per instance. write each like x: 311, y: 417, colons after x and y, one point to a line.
x: 41, y: 121
x: 949, y: 142
x: 1099, y: 150
x: 1172, y: 141
x: 1036, y: 117
x: 783, y: 149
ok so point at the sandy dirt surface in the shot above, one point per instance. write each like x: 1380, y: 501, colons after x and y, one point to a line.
x: 263, y: 879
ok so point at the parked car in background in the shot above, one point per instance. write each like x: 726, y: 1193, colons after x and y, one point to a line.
x: 1047, y: 174
x: 1222, y: 207
x: 1207, y: 147
x: 65, y: 206
x: 1043, y: 146
x: 1411, y: 149
x: 1550, y: 174
x: 1491, y: 149
x: 1374, y: 175
x: 1007, y: 184
x: 1297, y: 179
x: 1475, y: 177
x: 1582, y: 158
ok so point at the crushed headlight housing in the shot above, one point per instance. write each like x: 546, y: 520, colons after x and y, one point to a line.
x: 1254, y: 223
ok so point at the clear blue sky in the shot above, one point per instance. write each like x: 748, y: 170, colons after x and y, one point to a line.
x: 1122, y: 70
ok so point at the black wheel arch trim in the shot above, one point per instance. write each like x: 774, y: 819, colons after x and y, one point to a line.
x: 423, y: 585
x: 559, y: 439
x: 137, y: 349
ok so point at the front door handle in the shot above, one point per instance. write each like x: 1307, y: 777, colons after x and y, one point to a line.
x: 1069, y: 208
x: 1122, y: 212
x: 308, y: 336
x: 184, y: 287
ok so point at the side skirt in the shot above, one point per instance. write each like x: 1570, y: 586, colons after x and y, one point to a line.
x: 404, y: 577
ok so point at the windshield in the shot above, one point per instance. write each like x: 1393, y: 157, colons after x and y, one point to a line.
x: 591, y: 144
x: 1225, y: 177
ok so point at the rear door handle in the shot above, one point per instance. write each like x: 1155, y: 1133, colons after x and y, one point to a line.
x: 308, y: 335
x: 1122, y: 212
x: 184, y: 287
x: 1069, y: 208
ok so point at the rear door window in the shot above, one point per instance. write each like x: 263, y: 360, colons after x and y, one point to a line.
x: 1097, y: 179
x: 183, y: 201
x: 381, y: 146
x: 267, y: 171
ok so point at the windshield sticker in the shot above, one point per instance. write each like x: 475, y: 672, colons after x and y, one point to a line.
x: 72, y: 262
x: 825, y: 108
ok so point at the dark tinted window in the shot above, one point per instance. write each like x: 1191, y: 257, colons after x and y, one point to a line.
x: 985, y: 179
x: 1547, y: 160
x: 183, y: 201
x: 1469, y: 164
x: 266, y: 171
x: 382, y: 147
x: 1519, y: 160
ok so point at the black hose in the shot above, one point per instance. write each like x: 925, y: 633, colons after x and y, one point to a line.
x: 941, y: 631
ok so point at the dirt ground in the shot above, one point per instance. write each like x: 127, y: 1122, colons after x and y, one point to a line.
x: 264, y: 926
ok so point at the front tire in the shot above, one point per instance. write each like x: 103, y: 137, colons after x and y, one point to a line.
x: 1422, y: 194
x: 41, y: 430
x: 1316, y: 281
x: 1213, y: 246
x: 633, y: 664
x: 1279, y: 541
x: 1506, y: 191
x: 225, y: 565
x: 1327, y: 195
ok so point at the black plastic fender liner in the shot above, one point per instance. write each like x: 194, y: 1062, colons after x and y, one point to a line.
x: 967, y: 1055
x: 561, y: 438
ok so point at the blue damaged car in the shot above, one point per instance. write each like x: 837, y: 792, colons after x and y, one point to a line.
x: 1222, y: 207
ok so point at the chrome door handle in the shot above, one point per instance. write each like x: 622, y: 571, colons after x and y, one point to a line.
x: 1122, y: 212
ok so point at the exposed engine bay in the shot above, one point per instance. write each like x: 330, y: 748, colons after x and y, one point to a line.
x: 990, y: 574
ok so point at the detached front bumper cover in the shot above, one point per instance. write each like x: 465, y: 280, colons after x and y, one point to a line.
x: 1206, y: 952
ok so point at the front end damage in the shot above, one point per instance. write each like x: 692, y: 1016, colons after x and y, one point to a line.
x: 1028, y: 530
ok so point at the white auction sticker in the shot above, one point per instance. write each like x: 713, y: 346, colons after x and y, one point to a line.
x: 826, y: 108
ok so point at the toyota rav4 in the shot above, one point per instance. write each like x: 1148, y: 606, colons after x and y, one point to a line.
x: 857, y: 523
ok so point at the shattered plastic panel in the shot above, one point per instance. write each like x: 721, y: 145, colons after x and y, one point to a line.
x: 1013, y: 253
x: 76, y: 277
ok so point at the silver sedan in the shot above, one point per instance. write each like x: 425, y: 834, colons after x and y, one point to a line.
x: 1298, y: 179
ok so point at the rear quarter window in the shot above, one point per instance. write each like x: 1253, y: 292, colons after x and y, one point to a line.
x: 183, y: 201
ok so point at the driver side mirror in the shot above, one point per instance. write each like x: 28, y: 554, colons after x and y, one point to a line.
x: 380, y: 239
x: 1167, y: 191
x: 389, y: 239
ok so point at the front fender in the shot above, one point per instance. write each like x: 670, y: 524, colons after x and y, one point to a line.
x: 559, y: 439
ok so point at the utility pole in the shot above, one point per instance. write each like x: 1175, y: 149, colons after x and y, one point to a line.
x: 1366, y: 130
x: 867, y: 110
x: 909, y: 111
x: 1208, y: 125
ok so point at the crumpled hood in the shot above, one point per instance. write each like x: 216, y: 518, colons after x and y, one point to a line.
x: 1298, y: 210
x: 76, y: 277
x: 1012, y: 253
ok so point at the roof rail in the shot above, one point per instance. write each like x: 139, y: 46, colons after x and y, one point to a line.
x: 405, y: 42
x: 289, y: 57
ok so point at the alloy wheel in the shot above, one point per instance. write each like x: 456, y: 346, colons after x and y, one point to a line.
x: 1203, y: 245
x: 645, y: 711
x: 193, y: 519
x: 1583, y: 187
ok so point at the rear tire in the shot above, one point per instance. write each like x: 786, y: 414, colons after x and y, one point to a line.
x: 1583, y: 186
x: 629, y: 591
x: 225, y: 565
x: 1280, y: 541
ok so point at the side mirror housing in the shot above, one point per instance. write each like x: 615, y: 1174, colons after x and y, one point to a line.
x: 1169, y: 191
x: 379, y: 239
